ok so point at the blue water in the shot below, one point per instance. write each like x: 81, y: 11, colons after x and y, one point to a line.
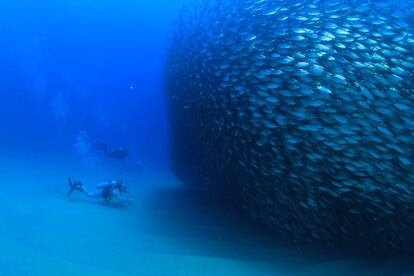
x: 72, y: 66
x: 75, y: 73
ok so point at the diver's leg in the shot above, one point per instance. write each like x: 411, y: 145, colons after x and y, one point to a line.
x: 85, y: 191
x: 95, y: 194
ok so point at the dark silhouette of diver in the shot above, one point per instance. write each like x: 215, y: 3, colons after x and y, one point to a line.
x: 115, y: 153
x: 109, y: 190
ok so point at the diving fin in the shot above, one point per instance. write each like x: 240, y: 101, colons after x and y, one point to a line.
x: 77, y: 185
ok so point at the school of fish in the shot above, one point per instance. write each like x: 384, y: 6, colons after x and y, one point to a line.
x: 303, y: 107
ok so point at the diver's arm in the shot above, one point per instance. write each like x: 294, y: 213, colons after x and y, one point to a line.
x: 122, y: 197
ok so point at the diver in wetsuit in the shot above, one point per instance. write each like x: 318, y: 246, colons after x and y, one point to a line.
x: 109, y: 190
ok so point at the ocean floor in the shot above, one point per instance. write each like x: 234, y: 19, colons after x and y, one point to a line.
x: 165, y: 231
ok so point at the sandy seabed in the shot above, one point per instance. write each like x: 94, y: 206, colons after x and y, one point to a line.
x: 165, y: 231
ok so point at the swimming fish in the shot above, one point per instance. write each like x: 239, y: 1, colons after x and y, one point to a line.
x: 305, y: 108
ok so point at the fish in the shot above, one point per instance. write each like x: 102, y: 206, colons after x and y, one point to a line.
x: 305, y: 108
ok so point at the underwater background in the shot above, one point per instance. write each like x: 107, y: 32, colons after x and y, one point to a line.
x: 73, y: 66
x: 177, y: 104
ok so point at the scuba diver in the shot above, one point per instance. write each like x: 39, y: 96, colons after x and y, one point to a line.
x: 110, y: 190
x: 115, y: 153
